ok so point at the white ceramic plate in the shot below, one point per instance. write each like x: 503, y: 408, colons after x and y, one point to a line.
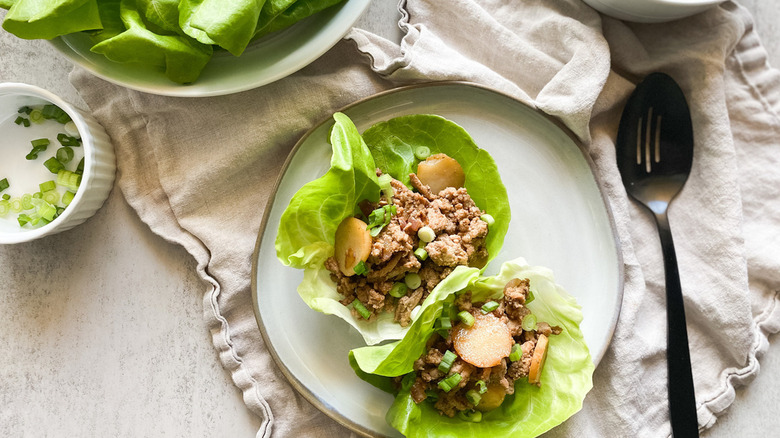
x: 264, y: 61
x: 559, y: 220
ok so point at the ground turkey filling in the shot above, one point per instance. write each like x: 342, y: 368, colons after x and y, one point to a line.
x: 511, y: 311
x: 460, y: 240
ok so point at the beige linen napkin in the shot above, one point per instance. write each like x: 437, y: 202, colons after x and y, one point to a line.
x: 199, y: 174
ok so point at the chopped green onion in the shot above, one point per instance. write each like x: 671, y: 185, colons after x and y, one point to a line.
x: 445, y: 322
x: 422, y: 152
x: 46, y: 186
x: 67, y: 140
x: 5, y: 207
x: 4, y: 184
x: 413, y: 280
x: 384, y: 180
x: 398, y: 290
x: 482, y: 386
x: 471, y: 416
x: 20, y: 120
x: 44, y: 209
x: 51, y: 111
x: 26, y: 123
x: 67, y: 198
x: 24, y: 109
x: 488, y: 218
x: 433, y: 396
x: 529, y: 296
x: 40, y: 142
x: 517, y: 353
x: 473, y: 397
x: 380, y: 217
x: 80, y: 167
x: 36, y: 116
x: 68, y: 179
x: 27, y: 201
x: 421, y: 254
x: 446, y: 361
x: 72, y: 130
x: 466, y: 318
x: 23, y: 219
x: 54, y: 165
x: 16, y: 205
x: 361, y: 268
x: 52, y: 196
x: 65, y: 154
x: 529, y: 322
x: 489, y: 306
x: 38, y: 195
x: 6, y: 196
x: 60, y: 210
x: 450, y: 382
x: 426, y: 234
x: 361, y: 309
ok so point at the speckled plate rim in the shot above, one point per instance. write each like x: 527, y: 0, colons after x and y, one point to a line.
x: 322, y: 404
x: 271, y: 58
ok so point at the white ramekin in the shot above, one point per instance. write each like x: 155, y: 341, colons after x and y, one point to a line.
x: 99, y: 162
x: 651, y: 11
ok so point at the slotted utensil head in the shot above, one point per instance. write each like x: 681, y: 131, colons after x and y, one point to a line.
x: 655, y: 141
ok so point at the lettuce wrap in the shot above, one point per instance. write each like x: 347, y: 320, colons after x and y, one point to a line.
x: 566, y: 377
x: 306, y: 234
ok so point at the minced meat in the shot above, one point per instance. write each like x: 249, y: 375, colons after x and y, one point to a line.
x: 460, y: 240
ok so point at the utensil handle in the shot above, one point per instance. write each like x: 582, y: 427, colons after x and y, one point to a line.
x: 682, y: 398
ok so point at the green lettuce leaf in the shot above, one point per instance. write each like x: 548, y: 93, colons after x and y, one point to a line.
x: 47, y: 19
x: 228, y: 23
x: 182, y: 58
x: 273, y: 19
x: 566, y: 377
x: 308, y: 225
x: 392, y: 144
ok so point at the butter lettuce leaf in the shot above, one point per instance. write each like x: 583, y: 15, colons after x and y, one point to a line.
x: 47, y: 19
x: 566, y: 377
x: 226, y: 23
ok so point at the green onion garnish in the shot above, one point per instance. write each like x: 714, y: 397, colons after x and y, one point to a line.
x: 5, y: 207
x: 4, y: 184
x: 529, y: 296
x: 24, y: 109
x: 54, y: 165
x: 6, y: 196
x: 23, y: 219
x: 68, y: 179
x: 67, y: 140
x: 446, y: 361
x: 471, y: 416
x: 44, y: 209
x: 529, y: 323
x: 27, y: 201
x: 361, y: 309
x: 433, y: 396
x: 52, y: 196
x: 46, y: 186
x: 398, y: 290
x: 422, y: 152
x: 445, y: 323
x: 489, y: 306
x: 426, y: 234
x: 65, y: 154
x: 20, y: 120
x: 16, y: 205
x: 466, y: 318
x: 38, y: 195
x: 421, y: 254
x: 80, y: 167
x: 488, y: 218
x: 413, y: 280
x: 517, y: 353
x: 481, y: 386
x: 473, y: 397
x: 380, y: 217
x: 67, y: 198
x: 40, y: 142
x: 36, y: 116
x: 450, y: 382
x: 361, y: 268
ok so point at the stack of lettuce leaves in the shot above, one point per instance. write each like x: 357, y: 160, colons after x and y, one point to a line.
x: 531, y: 410
x: 178, y: 36
x: 307, y: 229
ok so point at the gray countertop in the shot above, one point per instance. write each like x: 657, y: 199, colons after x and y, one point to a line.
x: 102, y: 331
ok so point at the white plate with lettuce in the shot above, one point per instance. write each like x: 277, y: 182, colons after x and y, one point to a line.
x: 188, y: 48
x: 559, y: 220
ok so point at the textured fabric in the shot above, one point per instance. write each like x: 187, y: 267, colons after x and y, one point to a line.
x: 560, y: 57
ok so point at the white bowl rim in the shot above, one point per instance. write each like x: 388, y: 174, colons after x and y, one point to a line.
x: 87, y: 144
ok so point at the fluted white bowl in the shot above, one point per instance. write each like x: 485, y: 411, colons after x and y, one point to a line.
x: 99, y: 162
x: 651, y: 11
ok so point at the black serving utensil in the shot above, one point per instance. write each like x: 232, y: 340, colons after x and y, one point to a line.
x: 654, y: 156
